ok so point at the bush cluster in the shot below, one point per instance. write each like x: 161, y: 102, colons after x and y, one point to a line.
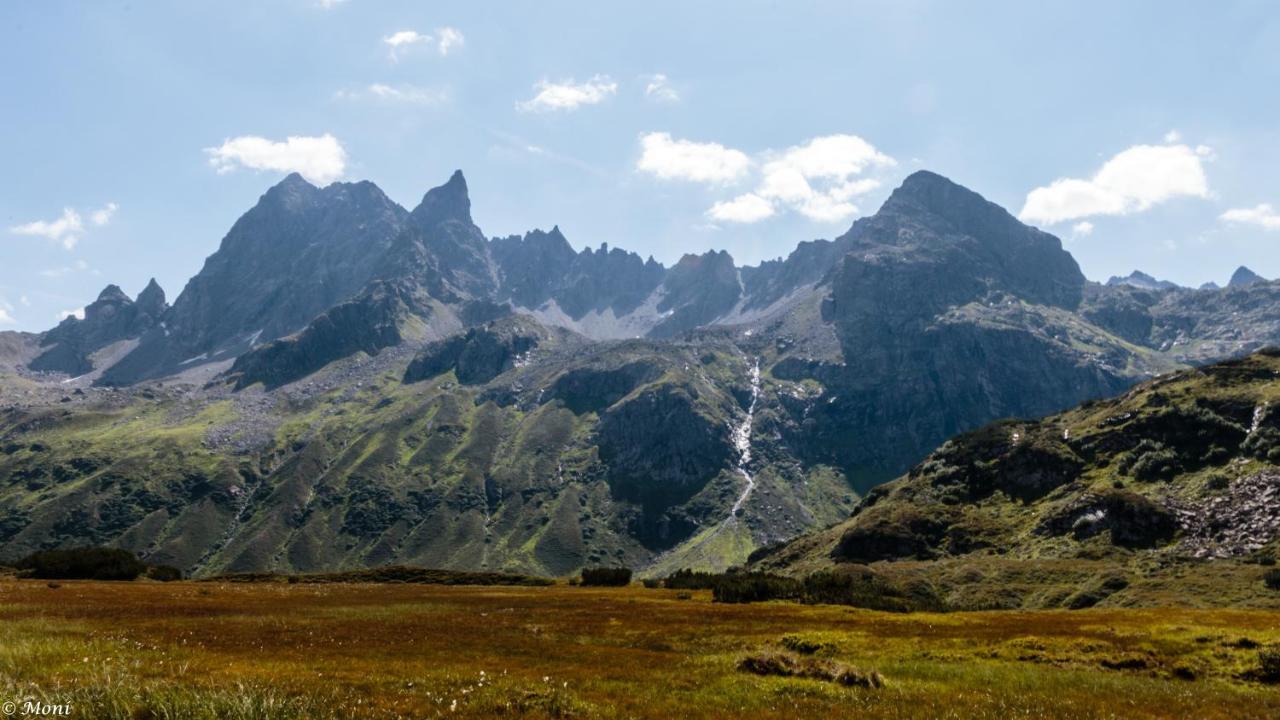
x: 1272, y: 579
x: 86, y: 563
x: 606, y: 577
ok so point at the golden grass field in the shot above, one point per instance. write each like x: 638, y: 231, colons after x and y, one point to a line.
x: 273, y: 650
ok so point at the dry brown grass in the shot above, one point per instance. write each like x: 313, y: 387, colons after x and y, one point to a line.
x: 275, y: 650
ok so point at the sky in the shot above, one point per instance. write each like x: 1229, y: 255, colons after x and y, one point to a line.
x: 1146, y: 135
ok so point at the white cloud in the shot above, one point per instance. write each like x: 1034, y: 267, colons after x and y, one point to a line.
x: 65, y: 230
x: 24, y: 301
x: 746, y: 208
x: 1134, y: 180
x: 1173, y: 136
x: 671, y: 159
x: 6, y: 312
x: 329, y: 4
x: 1083, y: 228
x: 448, y: 39
x: 569, y: 95
x: 817, y: 179
x: 444, y: 41
x: 103, y: 215
x: 402, y: 39
x: 1264, y: 216
x: 319, y: 159
x: 658, y: 88
x: 77, y: 313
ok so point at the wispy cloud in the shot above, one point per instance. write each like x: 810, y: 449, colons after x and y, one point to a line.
x: 1263, y: 216
x: 1134, y: 180
x: 658, y: 88
x: 523, y: 146
x: 79, y: 266
x: 568, y: 94
x: 319, y: 159
x: 103, y: 215
x: 77, y: 313
x: 401, y: 94
x: 67, y: 229
x: 444, y: 41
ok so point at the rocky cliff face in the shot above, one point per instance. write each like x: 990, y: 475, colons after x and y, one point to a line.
x: 114, y: 316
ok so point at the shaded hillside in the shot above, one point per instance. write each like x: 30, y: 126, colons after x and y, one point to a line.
x: 1180, y: 468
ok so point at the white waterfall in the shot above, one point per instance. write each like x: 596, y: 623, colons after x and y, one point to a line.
x: 742, y: 442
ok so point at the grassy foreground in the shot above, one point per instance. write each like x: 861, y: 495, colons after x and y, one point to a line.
x: 234, y: 650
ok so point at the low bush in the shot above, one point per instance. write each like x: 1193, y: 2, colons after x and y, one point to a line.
x: 861, y: 587
x: 787, y: 665
x: 1269, y: 665
x: 606, y: 577
x: 86, y: 563
x: 756, y: 587
x: 164, y: 573
x: 806, y: 646
x: 407, y: 574
x: 691, y: 580
x: 1272, y: 579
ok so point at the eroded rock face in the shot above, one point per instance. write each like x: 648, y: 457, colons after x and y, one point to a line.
x: 592, y: 389
x: 477, y: 355
x: 661, y: 448
x: 368, y: 323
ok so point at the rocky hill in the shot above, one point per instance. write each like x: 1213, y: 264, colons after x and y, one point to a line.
x: 1183, y: 468
x: 349, y: 383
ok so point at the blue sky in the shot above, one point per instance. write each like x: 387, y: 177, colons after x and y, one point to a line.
x: 133, y: 134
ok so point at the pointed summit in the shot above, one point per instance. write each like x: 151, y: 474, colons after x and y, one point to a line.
x: 1244, y: 277
x: 151, y: 300
x: 447, y: 202
x: 113, y: 292
x: 930, y: 191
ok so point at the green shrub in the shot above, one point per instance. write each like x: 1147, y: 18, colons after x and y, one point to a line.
x: 606, y: 577
x: 785, y: 665
x: 861, y: 587
x: 1269, y: 664
x: 1157, y: 464
x: 86, y: 563
x: 806, y: 646
x: 756, y: 587
x: 1272, y: 579
x: 164, y: 573
x: 690, y: 580
x: 651, y: 583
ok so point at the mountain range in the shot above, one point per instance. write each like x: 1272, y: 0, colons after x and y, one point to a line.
x: 349, y: 383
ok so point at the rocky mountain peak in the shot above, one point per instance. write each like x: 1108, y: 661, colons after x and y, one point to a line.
x: 152, y: 299
x: 1243, y: 277
x: 1139, y: 279
x: 113, y: 293
x: 449, y: 201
